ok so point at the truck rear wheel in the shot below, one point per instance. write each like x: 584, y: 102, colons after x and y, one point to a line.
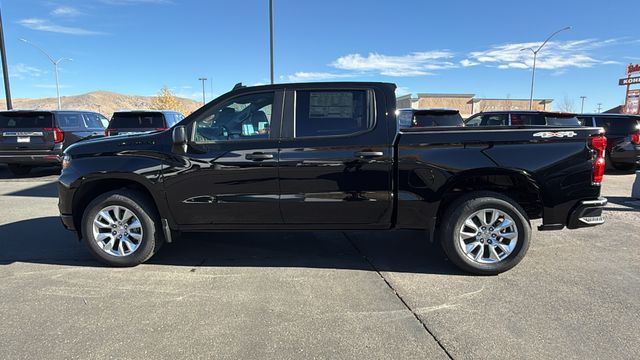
x: 121, y: 228
x: 485, y: 233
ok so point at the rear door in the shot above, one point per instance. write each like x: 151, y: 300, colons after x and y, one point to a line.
x: 335, y: 159
x: 26, y: 130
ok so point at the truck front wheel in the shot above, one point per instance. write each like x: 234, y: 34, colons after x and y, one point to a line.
x: 484, y: 233
x: 120, y: 228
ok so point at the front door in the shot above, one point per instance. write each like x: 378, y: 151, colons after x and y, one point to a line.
x: 335, y: 159
x: 229, y: 174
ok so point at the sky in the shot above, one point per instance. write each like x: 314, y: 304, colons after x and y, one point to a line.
x: 137, y: 46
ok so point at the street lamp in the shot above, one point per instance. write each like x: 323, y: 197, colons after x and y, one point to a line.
x: 271, y: 37
x: 535, y: 55
x: 55, y: 65
x: 203, y: 79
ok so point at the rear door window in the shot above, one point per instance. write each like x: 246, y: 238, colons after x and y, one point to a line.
x: 16, y: 120
x: 70, y: 121
x: 137, y: 121
x: 94, y: 121
x: 331, y: 113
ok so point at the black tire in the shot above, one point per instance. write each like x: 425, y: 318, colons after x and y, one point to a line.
x: 143, y: 208
x: 460, y: 209
x: 19, y: 170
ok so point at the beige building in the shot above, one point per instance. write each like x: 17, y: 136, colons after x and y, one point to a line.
x: 468, y: 104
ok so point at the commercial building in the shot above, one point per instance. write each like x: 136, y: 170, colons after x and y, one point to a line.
x: 468, y: 104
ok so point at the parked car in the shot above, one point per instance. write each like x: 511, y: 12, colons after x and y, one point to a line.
x: 522, y: 117
x: 330, y: 157
x: 138, y: 121
x: 31, y: 138
x: 428, y: 118
x: 623, y: 137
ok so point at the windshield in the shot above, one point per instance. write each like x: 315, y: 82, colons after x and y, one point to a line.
x: 137, y: 121
x: 26, y: 120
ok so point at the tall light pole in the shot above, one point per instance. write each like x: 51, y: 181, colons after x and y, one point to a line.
x: 535, y: 56
x: 203, y: 79
x: 5, y: 70
x: 55, y: 66
x: 271, y: 37
x: 582, y: 106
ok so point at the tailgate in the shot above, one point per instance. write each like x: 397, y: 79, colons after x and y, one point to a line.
x: 26, y: 131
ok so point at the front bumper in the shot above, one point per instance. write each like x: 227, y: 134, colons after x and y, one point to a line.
x: 587, y: 213
x: 51, y: 158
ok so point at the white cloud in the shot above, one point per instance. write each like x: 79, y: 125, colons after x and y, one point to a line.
x: 413, y: 64
x: 467, y: 63
x: 23, y: 71
x: 303, y: 76
x: 555, y: 55
x: 67, y: 11
x: 46, y: 25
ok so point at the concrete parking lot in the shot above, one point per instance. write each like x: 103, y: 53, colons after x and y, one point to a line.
x: 327, y: 295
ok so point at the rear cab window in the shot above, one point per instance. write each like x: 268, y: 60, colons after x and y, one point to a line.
x: 618, y: 125
x: 437, y: 118
x: 332, y: 113
x: 137, y: 120
x: 488, y: 120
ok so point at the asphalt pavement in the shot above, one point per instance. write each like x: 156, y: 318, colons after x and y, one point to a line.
x: 324, y: 295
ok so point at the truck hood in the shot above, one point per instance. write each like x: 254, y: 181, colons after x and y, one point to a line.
x: 106, y: 145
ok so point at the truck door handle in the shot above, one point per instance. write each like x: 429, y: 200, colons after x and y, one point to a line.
x: 368, y: 154
x: 258, y: 156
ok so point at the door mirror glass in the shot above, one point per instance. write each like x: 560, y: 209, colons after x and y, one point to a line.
x: 179, y: 135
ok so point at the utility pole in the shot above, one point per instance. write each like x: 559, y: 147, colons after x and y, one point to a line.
x: 203, y: 79
x: 582, y: 106
x: 535, y: 56
x: 271, y: 37
x: 5, y: 70
x: 599, y: 108
x: 55, y: 66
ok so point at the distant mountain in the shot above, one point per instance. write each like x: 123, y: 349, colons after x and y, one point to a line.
x: 104, y: 102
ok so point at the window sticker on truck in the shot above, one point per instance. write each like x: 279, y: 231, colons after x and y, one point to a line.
x: 558, y: 134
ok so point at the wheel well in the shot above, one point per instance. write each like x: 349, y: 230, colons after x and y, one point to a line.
x: 517, y: 187
x: 93, y: 189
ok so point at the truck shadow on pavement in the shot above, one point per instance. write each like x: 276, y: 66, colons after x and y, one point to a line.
x: 44, y: 241
x: 49, y: 190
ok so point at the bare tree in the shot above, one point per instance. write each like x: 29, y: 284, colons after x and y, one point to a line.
x: 567, y: 104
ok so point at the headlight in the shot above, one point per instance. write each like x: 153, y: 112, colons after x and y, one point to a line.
x: 66, y: 161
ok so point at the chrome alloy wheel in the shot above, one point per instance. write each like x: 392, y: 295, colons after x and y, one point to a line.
x: 117, y: 230
x: 488, y: 236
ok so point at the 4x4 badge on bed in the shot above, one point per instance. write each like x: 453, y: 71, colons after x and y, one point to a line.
x: 559, y: 134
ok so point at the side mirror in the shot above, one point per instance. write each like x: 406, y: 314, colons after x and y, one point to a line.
x: 179, y: 136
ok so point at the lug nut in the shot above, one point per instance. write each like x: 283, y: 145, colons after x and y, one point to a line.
x: 490, y: 229
x: 483, y: 228
x: 493, y: 235
x: 490, y: 241
x: 114, y: 232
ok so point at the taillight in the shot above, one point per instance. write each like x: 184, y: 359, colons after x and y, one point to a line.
x: 635, y: 138
x: 107, y: 132
x: 599, y: 144
x: 58, y: 134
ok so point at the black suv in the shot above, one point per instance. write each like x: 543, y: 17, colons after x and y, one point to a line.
x: 31, y: 138
x: 522, y: 117
x: 138, y: 121
x: 623, y: 137
x: 408, y: 118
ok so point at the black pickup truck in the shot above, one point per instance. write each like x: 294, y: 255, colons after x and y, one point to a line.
x: 326, y: 156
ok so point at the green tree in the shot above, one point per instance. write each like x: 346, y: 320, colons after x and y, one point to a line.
x: 166, y: 100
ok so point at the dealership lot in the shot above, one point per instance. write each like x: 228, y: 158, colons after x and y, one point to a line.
x: 314, y: 295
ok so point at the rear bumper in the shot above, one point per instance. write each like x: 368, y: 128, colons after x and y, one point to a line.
x: 587, y: 213
x: 49, y: 158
